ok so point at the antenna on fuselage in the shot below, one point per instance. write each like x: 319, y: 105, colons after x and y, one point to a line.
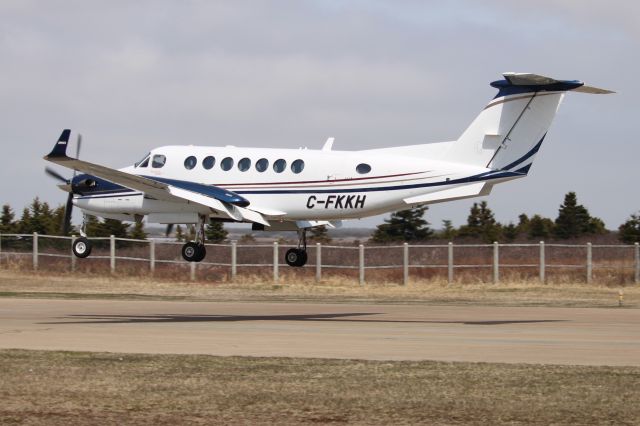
x: 328, y: 145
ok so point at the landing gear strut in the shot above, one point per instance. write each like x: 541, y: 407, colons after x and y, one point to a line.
x: 81, y: 246
x: 297, y: 257
x: 195, y: 251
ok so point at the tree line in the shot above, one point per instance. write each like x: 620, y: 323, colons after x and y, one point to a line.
x: 573, y: 221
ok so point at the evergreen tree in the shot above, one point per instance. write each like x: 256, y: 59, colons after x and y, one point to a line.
x: 114, y: 227
x: 215, y: 231
x: 448, y: 231
x: 24, y: 224
x: 7, y: 224
x: 629, y: 232
x: 96, y: 228
x: 574, y: 220
x: 405, y: 225
x: 138, y: 231
x: 319, y: 234
x: 481, y: 224
x: 510, y: 232
x: 523, y: 224
x: 540, y: 227
x: 57, y: 219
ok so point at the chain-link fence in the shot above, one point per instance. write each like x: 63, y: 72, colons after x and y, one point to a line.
x: 464, y: 263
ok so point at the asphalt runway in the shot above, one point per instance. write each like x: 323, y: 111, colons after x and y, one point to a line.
x: 364, y: 331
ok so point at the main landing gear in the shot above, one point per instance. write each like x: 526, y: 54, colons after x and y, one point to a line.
x: 195, y: 251
x: 297, y: 257
x: 81, y: 246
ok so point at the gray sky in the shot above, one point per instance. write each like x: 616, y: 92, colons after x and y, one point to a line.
x: 133, y: 75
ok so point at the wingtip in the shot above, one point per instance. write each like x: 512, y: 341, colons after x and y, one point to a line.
x: 60, y: 148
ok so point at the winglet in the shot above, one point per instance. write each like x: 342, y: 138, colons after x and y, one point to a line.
x: 60, y: 148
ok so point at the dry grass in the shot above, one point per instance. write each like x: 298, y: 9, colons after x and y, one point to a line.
x: 60, y: 388
x: 333, y: 289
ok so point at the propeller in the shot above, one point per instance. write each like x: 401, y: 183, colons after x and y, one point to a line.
x: 66, y: 186
x: 52, y: 173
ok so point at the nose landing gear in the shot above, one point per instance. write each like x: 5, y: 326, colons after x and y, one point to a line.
x: 81, y: 246
x: 297, y: 257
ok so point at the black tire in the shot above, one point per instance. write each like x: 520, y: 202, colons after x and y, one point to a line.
x: 190, y: 251
x: 193, y: 252
x: 296, y: 257
x: 81, y: 247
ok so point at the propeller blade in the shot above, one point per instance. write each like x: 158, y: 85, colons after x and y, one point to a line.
x: 78, y: 145
x: 169, y: 229
x: 56, y: 175
x: 68, y: 209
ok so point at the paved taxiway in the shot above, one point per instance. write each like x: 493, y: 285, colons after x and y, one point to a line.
x: 366, y: 331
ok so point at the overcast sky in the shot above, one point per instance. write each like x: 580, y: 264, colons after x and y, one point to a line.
x: 134, y: 75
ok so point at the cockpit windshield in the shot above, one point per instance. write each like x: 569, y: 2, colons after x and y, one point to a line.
x: 144, y: 162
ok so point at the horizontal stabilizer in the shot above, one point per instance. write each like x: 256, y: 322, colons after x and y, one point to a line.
x: 593, y: 90
x: 548, y: 83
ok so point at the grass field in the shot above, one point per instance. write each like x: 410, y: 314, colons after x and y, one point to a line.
x: 60, y: 388
x: 28, y: 284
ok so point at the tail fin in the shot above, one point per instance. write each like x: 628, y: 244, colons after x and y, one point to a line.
x: 509, y: 131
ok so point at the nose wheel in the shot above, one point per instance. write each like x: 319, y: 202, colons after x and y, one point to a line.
x: 81, y: 247
x: 297, y: 257
x: 195, y: 251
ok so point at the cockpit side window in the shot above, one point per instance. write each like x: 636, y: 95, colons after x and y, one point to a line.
x: 144, y: 162
x: 158, y: 161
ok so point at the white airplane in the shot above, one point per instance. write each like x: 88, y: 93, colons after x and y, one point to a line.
x: 298, y: 189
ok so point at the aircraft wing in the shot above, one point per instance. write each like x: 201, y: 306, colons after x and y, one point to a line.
x: 226, y: 202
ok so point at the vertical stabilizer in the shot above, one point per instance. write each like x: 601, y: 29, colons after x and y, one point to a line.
x: 509, y: 131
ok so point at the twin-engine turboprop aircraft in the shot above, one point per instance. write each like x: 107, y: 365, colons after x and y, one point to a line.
x: 298, y: 189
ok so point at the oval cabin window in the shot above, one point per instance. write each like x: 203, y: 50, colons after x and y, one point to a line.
x: 297, y: 166
x: 279, y: 166
x: 190, y: 162
x: 209, y: 162
x: 262, y: 165
x: 244, y: 164
x: 226, y: 164
x: 363, y: 168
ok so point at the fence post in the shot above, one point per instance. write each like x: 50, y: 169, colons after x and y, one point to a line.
x: 496, y: 262
x: 35, y: 251
x: 234, y: 262
x: 275, y: 262
x: 112, y: 253
x: 637, y: 249
x: 73, y: 256
x: 589, y: 263
x: 361, y: 263
x: 192, y: 270
x: 543, y: 265
x: 450, y: 263
x: 152, y: 256
x: 318, y: 262
x: 405, y: 264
